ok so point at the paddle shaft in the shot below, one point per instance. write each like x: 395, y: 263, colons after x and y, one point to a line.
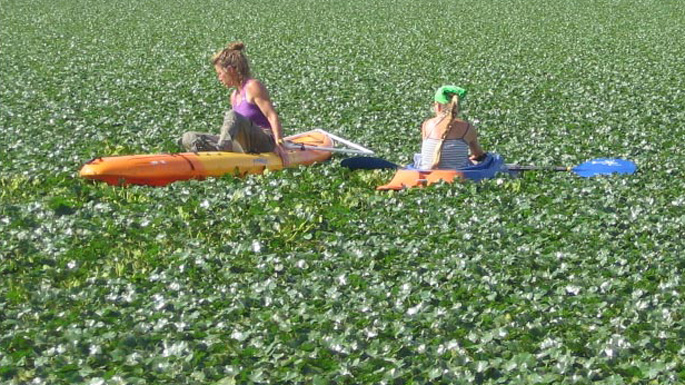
x: 356, y: 148
x: 371, y: 163
x: 516, y: 167
x: 346, y: 142
x: 295, y: 146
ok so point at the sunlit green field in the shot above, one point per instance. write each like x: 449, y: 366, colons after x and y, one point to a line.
x: 309, y: 275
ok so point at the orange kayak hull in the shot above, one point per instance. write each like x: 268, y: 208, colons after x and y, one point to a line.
x: 415, y: 178
x: 490, y: 167
x: 162, y: 169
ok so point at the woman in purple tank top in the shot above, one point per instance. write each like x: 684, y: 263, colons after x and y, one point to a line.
x: 252, y: 125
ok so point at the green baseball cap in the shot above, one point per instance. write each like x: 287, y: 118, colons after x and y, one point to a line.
x: 444, y: 93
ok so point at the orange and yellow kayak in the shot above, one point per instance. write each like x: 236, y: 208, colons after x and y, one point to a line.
x: 162, y: 169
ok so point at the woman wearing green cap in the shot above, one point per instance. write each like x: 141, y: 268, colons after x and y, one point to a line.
x: 447, y: 139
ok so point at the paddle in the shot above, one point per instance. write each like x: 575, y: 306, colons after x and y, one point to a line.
x: 594, y: 167
x: 367, y: 163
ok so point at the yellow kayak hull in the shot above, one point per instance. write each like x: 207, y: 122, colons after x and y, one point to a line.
x: 162, y: 169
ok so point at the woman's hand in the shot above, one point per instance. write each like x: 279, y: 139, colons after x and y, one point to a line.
x: 282, y: 153
x: 478, y: 158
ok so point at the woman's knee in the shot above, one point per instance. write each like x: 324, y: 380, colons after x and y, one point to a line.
x: 187, y: 140
x: 184, y: 140
x: 198, y: 141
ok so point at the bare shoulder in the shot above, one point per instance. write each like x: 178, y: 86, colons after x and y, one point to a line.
x: 255, y: 88
x: 471, y: 133
x: 431, y: 122
x: 435, y: 119
x: 472, y: 127
x: 428, y: 125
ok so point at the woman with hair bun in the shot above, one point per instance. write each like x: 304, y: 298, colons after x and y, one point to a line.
x: 252, y: 125
x: 446, y: 138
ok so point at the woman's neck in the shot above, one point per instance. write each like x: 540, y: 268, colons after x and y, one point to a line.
x: 244, y: 83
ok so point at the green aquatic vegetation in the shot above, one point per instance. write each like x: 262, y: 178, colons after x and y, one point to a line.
x: 309, y: 275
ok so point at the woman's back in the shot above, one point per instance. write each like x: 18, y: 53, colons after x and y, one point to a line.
x: 446, y: 140
x: 454, y: 154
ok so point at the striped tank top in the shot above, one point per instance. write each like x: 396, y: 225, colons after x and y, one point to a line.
x: 455, y: 154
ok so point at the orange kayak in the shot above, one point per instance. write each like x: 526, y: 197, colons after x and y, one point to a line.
x: 405, y: 178
x: 162, y: 169
x: 409, y: 177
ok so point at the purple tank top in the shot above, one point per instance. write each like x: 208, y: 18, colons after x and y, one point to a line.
x: 251, y: 110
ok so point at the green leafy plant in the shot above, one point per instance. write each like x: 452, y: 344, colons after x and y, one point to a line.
x: 309, y: 275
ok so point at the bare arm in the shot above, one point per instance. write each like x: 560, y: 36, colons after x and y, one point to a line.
x: 260, y: 97
x: 471, y: 138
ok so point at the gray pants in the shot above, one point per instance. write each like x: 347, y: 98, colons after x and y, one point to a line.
x: 238, y: 134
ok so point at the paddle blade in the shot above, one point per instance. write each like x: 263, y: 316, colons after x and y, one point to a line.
x: 367, y: 163
x: 603, y: 166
